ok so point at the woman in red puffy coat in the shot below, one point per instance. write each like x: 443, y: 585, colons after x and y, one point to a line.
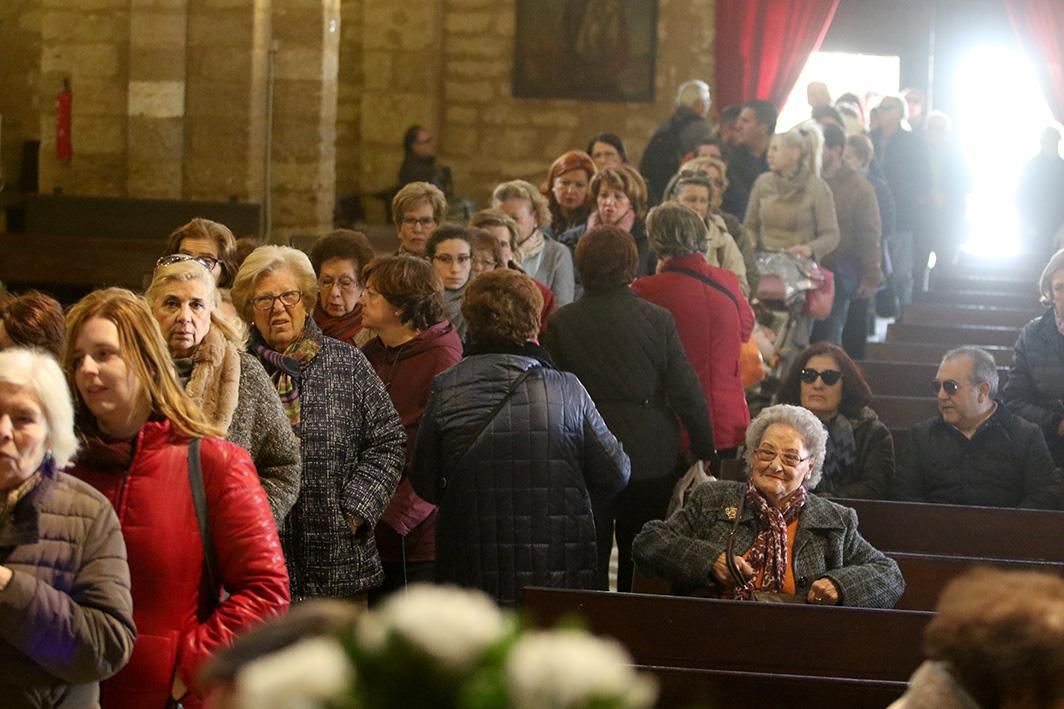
x: 137, y: 425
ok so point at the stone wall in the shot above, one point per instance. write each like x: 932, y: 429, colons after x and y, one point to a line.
x: 20, y: 98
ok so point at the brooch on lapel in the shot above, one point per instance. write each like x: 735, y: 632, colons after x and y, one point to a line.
x: 730, y: 512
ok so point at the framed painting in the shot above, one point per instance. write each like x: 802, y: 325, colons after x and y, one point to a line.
x: 593, y: 50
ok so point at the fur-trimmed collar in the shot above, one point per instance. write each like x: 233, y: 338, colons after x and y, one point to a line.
x: 215, y: 380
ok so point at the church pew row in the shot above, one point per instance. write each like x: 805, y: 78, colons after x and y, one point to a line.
x: 953, y: 335
x: 926, y: 576
x: 975, y: 316
x: 928, y: 353
x: 984, y: 282
x: 908, y: 378
x: 957, y: 530
x: 903, y: 412
x: 710, y: 634
x: 1023, y: 299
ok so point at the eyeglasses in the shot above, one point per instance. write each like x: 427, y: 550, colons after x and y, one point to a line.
x: 265, y: 303
x: 830, y: 377
x: 206, y: 261
x: 347, y: 285
x: 790, y: 459
x: 414, y: 222
x: 448, y: 260
x: 949, y: 385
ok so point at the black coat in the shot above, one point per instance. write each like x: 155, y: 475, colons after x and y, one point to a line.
x: 1035, y: 389
x: 907, y: 167
x: 626, y: 351
x: 873, y: 469
x: 1005, y: 464
x: 516, y: 510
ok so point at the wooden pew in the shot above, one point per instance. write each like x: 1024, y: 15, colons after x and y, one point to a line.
x: 904, y: 411
x: 908, y: 378
x: 75, y: 264
x: 953, y: 336
x: 956, y: 530
x: 926, y: 575
x: 927, y: 353
x: 984, y: 282
x: 699, y: 633
x: 1022, y: 299
x: 928, y: 314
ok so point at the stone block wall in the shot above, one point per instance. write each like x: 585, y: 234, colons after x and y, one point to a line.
x: 20, y: 94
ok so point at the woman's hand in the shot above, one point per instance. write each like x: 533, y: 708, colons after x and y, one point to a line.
x: 355, y: 522
x: 179, y: 690
x: 801, y: 250
x: 823, y: 592
x: 720, y: 570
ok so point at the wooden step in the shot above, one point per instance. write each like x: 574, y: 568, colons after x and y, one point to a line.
x: 927, y: 314
x: 984, y: 283
x: 907, y: 378
x: 903, y: 412
x: 930, y: 353
x: 1021, y: 301
x: 953, y: 336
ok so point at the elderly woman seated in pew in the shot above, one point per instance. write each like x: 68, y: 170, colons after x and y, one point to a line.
x: 769, y: 538
x: 860, y: 451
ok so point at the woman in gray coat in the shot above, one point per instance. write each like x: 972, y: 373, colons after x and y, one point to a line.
x: 230, y: 385
x: 66, y: 613
x: 786, y: 540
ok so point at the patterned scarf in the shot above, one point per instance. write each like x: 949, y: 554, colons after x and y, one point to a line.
x: 285, y: 368
x: 768, y: 554
x: 343, y: 327
x: 626, y: 222
x: 530, y: 246
x: 841, y: 453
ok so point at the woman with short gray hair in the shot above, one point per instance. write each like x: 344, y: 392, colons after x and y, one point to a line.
x: 784, y: 542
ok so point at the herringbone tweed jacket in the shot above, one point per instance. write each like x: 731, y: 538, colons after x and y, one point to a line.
x: 827, y: 545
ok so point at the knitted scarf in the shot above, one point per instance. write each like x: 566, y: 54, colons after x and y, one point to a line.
x: 530, y: 246
x: 768, y: 554
x: 626, y: 223
x: 285, y: 368
x: 841, y: 452
x: 343, y: 327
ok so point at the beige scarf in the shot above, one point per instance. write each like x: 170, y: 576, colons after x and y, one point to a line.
x: 530, y: 246
x: 215, y: 380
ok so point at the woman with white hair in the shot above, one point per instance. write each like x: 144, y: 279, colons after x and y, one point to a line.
x: 66, y: 614
x: 217, y: 373
x: 351, y: 438
x: 770, y: 535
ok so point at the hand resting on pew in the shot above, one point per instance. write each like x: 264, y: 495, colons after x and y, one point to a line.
x: 785, y: 539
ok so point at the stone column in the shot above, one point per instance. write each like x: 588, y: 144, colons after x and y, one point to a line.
x: 349, y: 98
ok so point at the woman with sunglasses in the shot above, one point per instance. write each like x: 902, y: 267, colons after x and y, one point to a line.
x: 351, y: 438
x: 781, y: 539
x: 860, y: 450
x: 216, y: 371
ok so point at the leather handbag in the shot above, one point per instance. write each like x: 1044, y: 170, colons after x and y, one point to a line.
x: 737, y: 575
x: 820, y: 300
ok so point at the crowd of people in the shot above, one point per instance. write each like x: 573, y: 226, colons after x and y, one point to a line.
x: 495, y: 404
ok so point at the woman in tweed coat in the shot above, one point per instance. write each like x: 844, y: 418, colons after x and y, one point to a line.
x: 787, y: 541
x: 351, y: 439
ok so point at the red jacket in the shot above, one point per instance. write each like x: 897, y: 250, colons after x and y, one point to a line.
x: 407, y: 372
x: 153, y: 500
x: 712, y: 329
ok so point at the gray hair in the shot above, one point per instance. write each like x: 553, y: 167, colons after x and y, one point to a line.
x: 675, y: 230
x: 184, y: 271
x: 38, y: 372
x: 984, y: 368
x: 803, y: 421
x: 691, y: 91
x: 267, y: 259
x: 1045, y: 283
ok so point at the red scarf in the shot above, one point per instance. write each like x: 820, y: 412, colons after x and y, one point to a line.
x: 769, y: 550
x: 344, y: 327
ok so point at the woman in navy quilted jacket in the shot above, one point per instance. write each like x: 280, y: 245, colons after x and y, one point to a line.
x: 512, y: 451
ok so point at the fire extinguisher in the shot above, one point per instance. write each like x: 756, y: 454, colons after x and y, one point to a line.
x: 64, y: 148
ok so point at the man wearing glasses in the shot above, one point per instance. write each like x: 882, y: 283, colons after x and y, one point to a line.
x: 975, y: 452
x: 417, y: 210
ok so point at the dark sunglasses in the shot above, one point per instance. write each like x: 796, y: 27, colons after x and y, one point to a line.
x: 949, y: 385
x: 206, y: 261
x: 830, y: 377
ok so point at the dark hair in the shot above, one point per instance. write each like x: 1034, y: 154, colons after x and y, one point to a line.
x: 834, y: 136
x: 707, y: 141
x: 849, y: 97
x: 502, y: 307
x: 447, y: 232
x: 766, y: 113
x: 219, y: 233
x: 730, y: 114
x: 244, y: 246
x: 855, y: 392
x: 612, y: 139
x: 606, y: 258
x: 485, y: 241
x: 825, y: 111
x: 411, y: 285
x: 410, y: 137
x: 343, y: 244
x: 34, y: 320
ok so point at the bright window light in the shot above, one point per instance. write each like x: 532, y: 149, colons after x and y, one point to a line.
x: 1001, y: 113
x: 860, y: 74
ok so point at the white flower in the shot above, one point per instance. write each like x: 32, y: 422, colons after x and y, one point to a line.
x: 302, y: 676
x: 563, y: 669
x: 453, y: 626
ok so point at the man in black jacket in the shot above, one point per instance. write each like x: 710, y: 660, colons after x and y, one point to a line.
x: 976, y: 452
x: 676, y: 137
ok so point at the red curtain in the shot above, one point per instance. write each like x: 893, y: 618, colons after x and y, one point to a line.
x: 1040, y: 24
x: 762, y: 46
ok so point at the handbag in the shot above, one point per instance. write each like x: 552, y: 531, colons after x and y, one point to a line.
x: 737, y: 575
x: 820, y: 300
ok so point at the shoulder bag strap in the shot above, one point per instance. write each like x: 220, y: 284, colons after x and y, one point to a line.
x: 707, y: 280
x: 199, y: 501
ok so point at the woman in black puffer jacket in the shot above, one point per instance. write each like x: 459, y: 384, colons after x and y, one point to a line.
x: 512, y: 451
